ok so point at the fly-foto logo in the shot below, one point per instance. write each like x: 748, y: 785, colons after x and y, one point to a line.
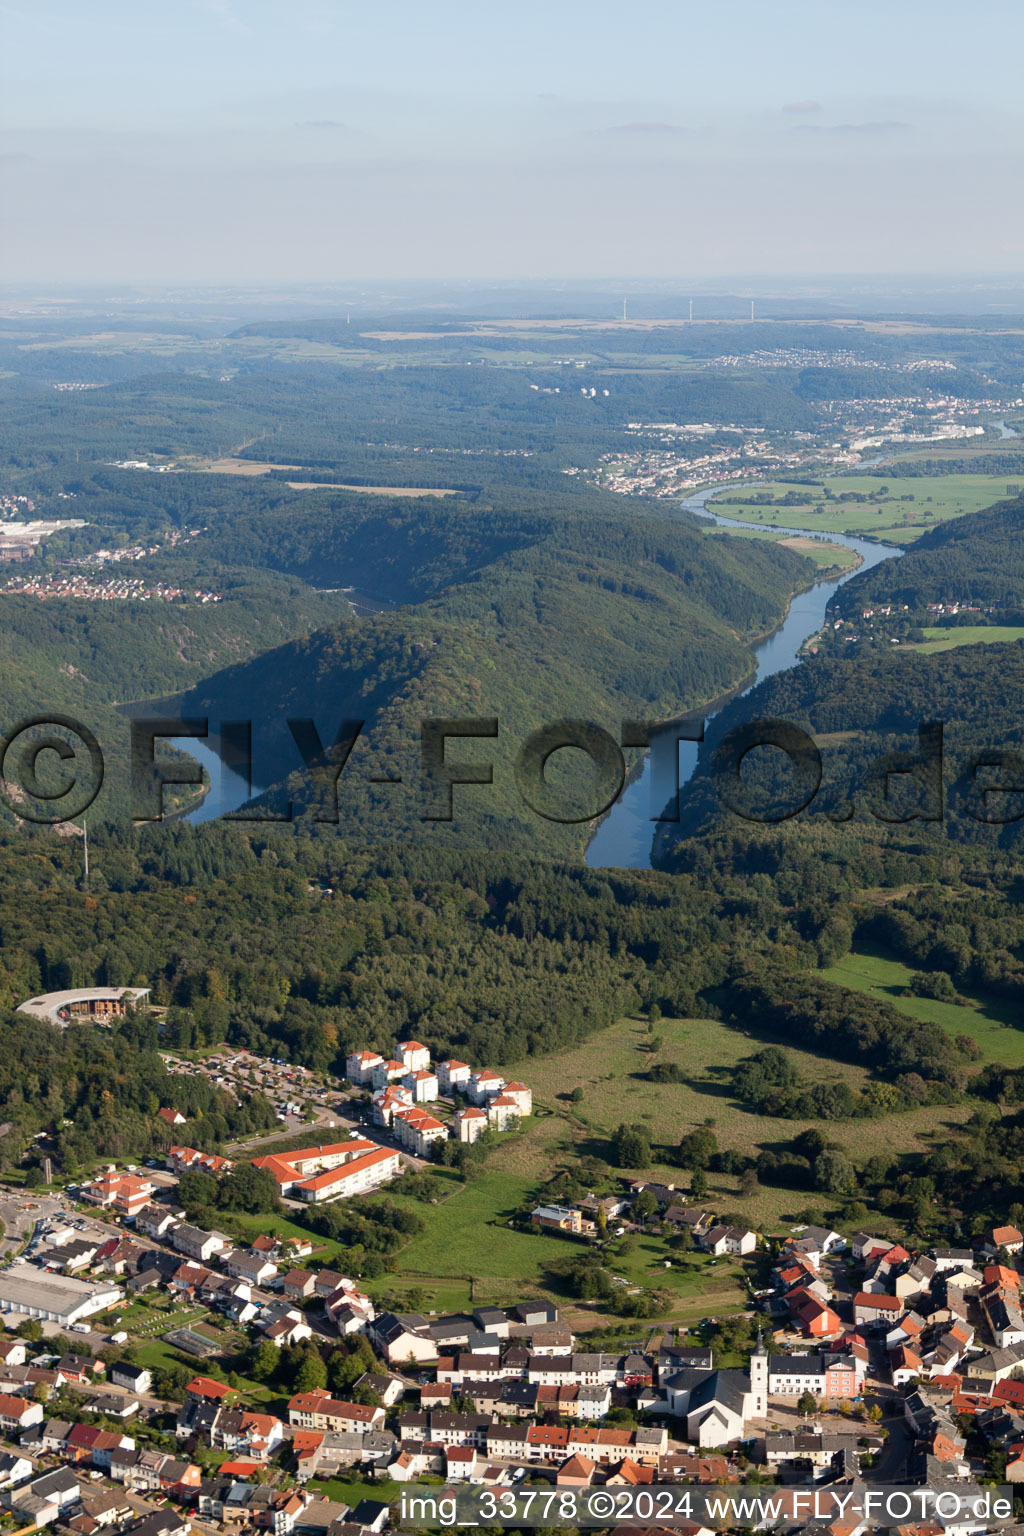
x: 52, y: 769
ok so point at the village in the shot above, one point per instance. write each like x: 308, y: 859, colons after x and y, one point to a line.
x: 856, y: 1354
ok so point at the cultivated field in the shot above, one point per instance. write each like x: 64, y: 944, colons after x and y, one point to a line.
x: 898, y: 511
x: 250, y: 468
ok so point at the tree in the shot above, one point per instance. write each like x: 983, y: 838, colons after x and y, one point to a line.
x: 632, y: 1150
x: 834, y: 1172
x: 31, y: 1329
x: 312, y: 1372
x: 172, y: 1381
x: 807, y: 1405
x: 645, y: 1204
x: 699, y: 1184
x: 577, y: 1096
x: 265, y: 1361
x: 247, y: 1188
x: 698, y: 1147
x: 197, y: 1191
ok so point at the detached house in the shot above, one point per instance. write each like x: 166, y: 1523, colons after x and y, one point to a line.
x: 469, y: 1123
x: 413, y: 1056
x: 1002, y: 1237
x: 453, y: 1076
x: 484, y: 1085
x: 359, y: 1066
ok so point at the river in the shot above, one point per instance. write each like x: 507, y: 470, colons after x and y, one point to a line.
x: 624, y: 839
x: 228, y: 790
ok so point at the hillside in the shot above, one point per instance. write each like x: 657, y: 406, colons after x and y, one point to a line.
x: 525, y: 617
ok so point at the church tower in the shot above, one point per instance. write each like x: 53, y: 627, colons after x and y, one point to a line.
x: 759, y: 1379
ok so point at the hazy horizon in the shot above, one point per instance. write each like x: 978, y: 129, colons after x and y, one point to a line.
x: 315, y: 142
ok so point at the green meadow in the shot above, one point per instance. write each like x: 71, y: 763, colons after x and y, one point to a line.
x: 896, y: 511
x: 988, y: 1021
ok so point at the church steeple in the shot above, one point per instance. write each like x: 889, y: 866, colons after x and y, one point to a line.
x: 759, y: 1378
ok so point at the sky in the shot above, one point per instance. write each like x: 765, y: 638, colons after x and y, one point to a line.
x: 255, y: 141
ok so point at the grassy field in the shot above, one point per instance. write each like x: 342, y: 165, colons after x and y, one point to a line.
x: 611, y: 1069
x: 469, y: 1246
x: 820, y: 551
x: 468, y: 1254
x: 990, y: 1022
x: 898, y: 511
x: 943, y: 639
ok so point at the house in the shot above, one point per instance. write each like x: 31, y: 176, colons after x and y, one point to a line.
x: 521, y: 1096
x: 946, y: 1259
x: 413, y: 1056
x: 43, y: 1499
x: 721, y: 1240
x: 390, y: 1389
x: 872, y: 1307
x: 387, y: 1072
x: 349, y: 1308
x: 205, y: 1389
x: 125, y: 1193
x: 19, y: 1413
x: 453, y: 1076
x: 575, y: 1472
x: 502, y: 1112
x: 423, y: 1085
x: 156, y: 1220
x: 14, y: 1470
x: 197, y: 1244
x: 171, y: 1117
x: 401, y: 1339
x: 816, y: 1319
x: 825, y: 1238
x: 298, y: 1284
x: 284, y: 1327
x: 417, y: 1130
x: 560, y: 1218
x: 359, y: 1066
x: 997, y: 1238
x: 460, y: 1463
x: 318, y: 1410
x: 182, y: 1159
x: 256, y: 1268
x: 483, y: 1086
x: 137, y: 1378
x: 254, y: 1435
x: 470, y: 1123
x: 825, y: 1375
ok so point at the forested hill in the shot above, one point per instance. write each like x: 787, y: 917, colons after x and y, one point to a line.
x: 973, y: 559
x: 928, y: 865
x: 524, y: 616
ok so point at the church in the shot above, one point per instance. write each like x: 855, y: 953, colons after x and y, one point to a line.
x: 717, y: 1405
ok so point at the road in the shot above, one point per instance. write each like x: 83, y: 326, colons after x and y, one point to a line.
x: 892, y: 1461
